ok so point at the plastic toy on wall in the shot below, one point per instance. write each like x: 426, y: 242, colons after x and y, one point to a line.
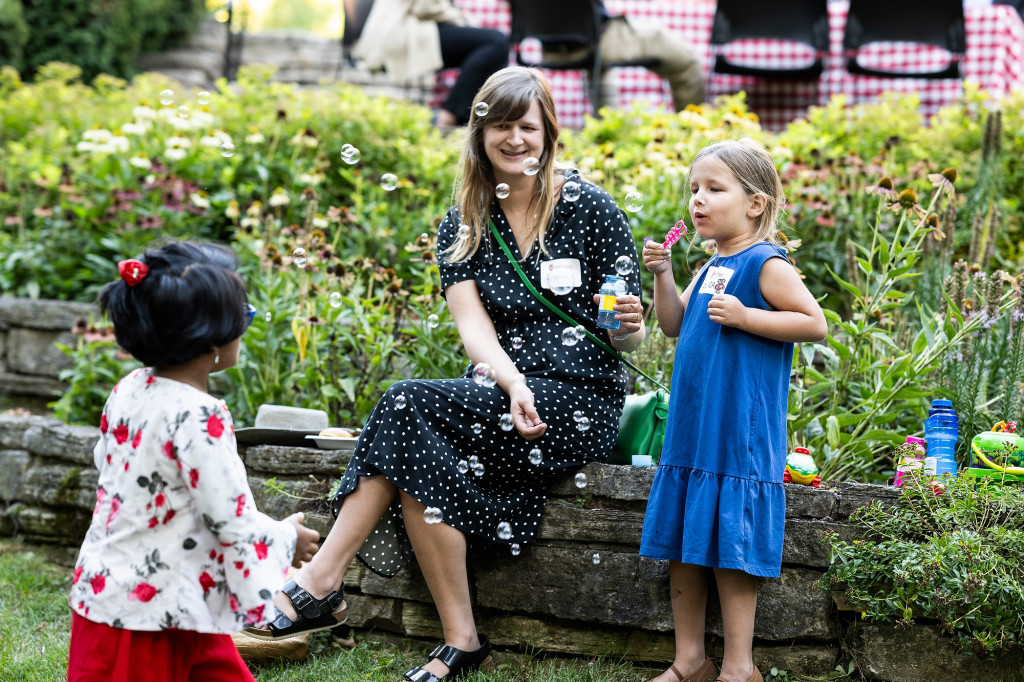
x: 800, y: 468
x: 998, y: 452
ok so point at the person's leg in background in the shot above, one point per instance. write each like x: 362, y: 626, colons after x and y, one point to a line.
x: 477, y: 53
x: 680, y: 66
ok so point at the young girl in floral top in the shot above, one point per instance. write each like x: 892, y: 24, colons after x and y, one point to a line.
x: 177, y: 556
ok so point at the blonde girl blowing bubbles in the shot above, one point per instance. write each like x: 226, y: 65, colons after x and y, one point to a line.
x: 717, y: 500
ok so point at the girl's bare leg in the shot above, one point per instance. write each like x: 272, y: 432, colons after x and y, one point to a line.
x: 688, y: 590
x: 737, y: 592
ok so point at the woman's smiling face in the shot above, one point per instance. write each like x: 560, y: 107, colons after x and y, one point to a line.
x: 508, y: 144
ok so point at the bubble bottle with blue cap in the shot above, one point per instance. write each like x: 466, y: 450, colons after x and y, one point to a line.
x: 613, y: 287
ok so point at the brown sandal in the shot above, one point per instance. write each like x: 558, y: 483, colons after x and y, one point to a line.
x: 754, y: 676
x: 705, y: 673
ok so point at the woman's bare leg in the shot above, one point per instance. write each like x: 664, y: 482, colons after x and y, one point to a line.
x: 441, y: 555
x: 359, y: 515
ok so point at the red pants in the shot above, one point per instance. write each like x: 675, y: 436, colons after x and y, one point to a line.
x: 102, y: 653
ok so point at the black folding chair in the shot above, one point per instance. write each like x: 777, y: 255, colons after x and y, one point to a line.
x: 939, y: 23
x: 569, y: 32
x: 798, y: 21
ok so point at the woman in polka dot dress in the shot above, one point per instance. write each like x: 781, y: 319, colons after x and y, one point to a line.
x: 478, y: 456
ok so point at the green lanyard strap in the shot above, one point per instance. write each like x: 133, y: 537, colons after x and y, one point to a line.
x: 565, y: 316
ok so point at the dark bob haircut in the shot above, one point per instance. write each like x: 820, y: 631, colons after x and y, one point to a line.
x: 190, y: 302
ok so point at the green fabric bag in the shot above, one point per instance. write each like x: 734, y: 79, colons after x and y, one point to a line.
x: 641, y: 427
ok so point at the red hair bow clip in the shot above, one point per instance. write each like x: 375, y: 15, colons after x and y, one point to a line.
x: 132, y: 271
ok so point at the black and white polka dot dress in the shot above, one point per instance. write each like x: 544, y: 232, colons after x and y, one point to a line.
x: 424, y: 434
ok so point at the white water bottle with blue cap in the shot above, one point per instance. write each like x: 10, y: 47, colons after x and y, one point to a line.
x: 941, y: 433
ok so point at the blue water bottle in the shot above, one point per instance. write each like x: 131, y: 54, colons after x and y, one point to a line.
x: 941, y: 432
x: 613, y: 286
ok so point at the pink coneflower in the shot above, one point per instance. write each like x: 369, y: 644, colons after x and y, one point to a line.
x: 884, y: 189
x: 944, y: 180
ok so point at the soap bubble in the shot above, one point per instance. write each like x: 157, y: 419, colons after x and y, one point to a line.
x: 433, y: 321
x: 299, y: 256
x: 501, y: 191
x: 515, y: 549
x: 569, y: 337
x: 269, y: 316
x: 463, y: 466
x: 583, y: 424
x: 463, y: 232
x: 560, y: 291
x: 581, y: 480
x: 504, y: 531
x: 400, y: 401
x: 478, y: 428
x: 597, y: 558
x: 351, y: 156
x: 478, y: 469
x: 535, y: 455
x: 167, y: 98
x: 473, y: 460
x: 578, y: 415
x: 571, y: 191
x: 433, y: 515
x: 423, y: 239
x: 227, y: 150
x: 388, y: 182
x: 334, y: 299
x: 634, y: 202
x: 623, y: 265
x: 484, y: 375
x: 517, y: 342
x: 505, y: 422
x: 580, y: 331
x: 531, y: 165
x: 345, y: 149
x: 183, y: 112
x: 481, y: 109
x: 203, y: 97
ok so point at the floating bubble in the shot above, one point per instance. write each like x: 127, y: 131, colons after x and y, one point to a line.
x: 167, y: 98
x: 634, y: 202
x: 597, y: 558
x: 515, y: 549
x: 583, y: 424
x: 463, y: 232
x: 423, y: 239
x: 433, y: 515
x: 484, y: 375
x: 400, y: 401
x: 505, y: 422
x: 478, y: 428
x: 351, y: 157
x: 433, y: 321
x: 473, y: 460
x: 623, y: 265
x: 478, y: 469
x: 227, y: 150
x: 345, y: 149
x: 569, y: 337
x: 388, y: 182
x: 536, y: 457
x: 501, y: 191
x: 299, y: 256
x: 580, y: 331
x: 581, y: 480
x: 517, y: 342
x: 571, y: 191
x: 560, y: 291
x: 504, y: 531
x: 183, y: 112
x: 203, y: 97
x: 334, y: 300
x: 531, y: 166
x: 463, y: 466
x: 481, y: 109
x: 578, y: 415
x: 268, y: 316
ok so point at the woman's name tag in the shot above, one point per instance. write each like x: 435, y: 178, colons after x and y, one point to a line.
x: 560, y: 274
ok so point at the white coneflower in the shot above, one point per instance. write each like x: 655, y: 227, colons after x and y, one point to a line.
x: 134, y: 128
x: 305, y: 138
x: 200, y: 200
x: 310, y: 179
x: 279, y: 198
x: 320, y: 222
x: 255, y: 209
x: 141, y: 161
x: 119, y: 142
x: 210, y: 140
x: 97, y: 135
x: 175, y: 153
x: 231, y: 211
x: 255, y: 137
x: 85, y: 146
x: 249, y: 222
x: 178, y: 141
x: 143, y: 112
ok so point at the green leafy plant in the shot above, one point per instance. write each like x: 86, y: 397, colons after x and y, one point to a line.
x: 949, y: 553
x: 97, y: 364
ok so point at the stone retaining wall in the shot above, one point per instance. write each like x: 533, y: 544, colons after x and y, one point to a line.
x: 552, y: 597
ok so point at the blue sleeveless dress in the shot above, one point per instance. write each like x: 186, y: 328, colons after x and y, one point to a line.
x: 717, y: 498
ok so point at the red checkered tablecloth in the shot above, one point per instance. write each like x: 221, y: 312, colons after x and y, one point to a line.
x: 994, y: 60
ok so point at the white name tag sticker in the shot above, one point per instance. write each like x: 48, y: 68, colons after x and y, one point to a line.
x: 561, y: 273
x: 716, y: 280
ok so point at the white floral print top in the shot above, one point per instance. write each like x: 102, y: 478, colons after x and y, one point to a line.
x: 175, y: 540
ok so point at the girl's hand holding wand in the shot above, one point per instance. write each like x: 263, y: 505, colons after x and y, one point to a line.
x: 656, y: 257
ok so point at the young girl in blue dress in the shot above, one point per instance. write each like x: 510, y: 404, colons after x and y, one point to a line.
x: 717, y: 500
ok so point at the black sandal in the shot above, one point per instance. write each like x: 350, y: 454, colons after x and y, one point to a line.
x: 459, y: 662
x: 314, y: 614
